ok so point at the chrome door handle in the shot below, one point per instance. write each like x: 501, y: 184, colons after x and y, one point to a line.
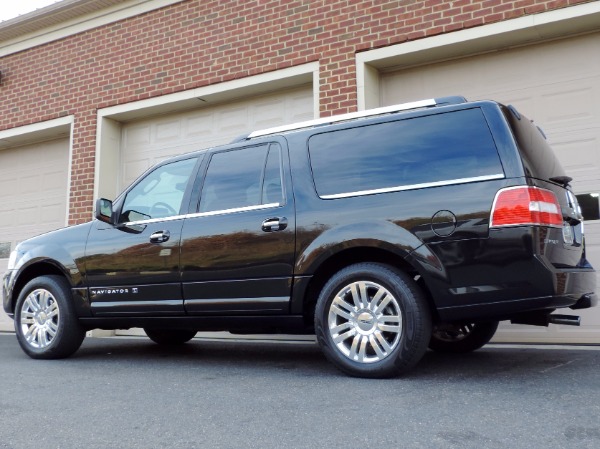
x: 160, y: 237
x: 274, y: 224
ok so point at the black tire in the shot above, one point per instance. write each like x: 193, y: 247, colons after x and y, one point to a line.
x: 361, y: 337
x: 170, y: 337
x: 45, y: 320
x: 462, y: 338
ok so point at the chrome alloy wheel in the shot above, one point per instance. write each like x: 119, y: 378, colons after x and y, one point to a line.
x: 39, y: 318
x: 365, y: 322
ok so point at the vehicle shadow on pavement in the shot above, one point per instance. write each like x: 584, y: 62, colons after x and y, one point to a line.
x: 494, y: 362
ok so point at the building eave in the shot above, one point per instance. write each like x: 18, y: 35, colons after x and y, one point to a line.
x: 66, y: 18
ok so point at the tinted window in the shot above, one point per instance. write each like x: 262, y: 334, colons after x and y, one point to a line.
x: 272, y: 189
x: 159, y: 194
x: 537, y: 155
x: 242, y: 178
x: 441, y: 147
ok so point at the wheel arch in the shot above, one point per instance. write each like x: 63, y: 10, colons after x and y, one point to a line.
x: 351, y: 256
x: 32, y: 271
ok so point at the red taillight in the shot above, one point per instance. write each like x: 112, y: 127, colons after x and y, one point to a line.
x: 515, y: 206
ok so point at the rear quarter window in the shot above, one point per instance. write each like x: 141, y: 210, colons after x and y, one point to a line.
x: 537, y: 155
x: 419, y: 152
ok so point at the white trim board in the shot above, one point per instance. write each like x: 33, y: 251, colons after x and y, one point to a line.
x: 36, y: 132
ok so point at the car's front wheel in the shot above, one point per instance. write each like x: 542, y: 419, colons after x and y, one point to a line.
x: 170, y: 336
x: 45, y: 323
x: 372, y: 320
x: 461, y: 338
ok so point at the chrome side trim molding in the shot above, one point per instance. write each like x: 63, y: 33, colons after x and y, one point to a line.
x: 234, y: 210
x: 413, y: 186
x: 202, y: 214
x: 99, y: 305
x: 237, y: 301
x: 152, y: 220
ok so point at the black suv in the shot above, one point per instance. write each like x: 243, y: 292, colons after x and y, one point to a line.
x: 383, y: 232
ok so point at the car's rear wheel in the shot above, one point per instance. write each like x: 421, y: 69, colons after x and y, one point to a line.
x: 170, y: 336
x: 45, y: 322
x: 372, y: 321
x: 461, y: 338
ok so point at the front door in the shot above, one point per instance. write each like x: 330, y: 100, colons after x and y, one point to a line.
x: 237, y: 250
x: 132, y: 268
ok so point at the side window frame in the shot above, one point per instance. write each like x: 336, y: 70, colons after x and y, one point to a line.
x: 407, y: 185
x: 200, y: 182
x: 185, y: 201
x: 273, y: 147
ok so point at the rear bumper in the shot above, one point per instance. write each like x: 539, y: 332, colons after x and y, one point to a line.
x: 514, y: 271
x: 542, y: 287
x: 506, y: 310
x: 535, y: 287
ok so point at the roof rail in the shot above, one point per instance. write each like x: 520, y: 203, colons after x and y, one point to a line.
x: 355, y: 115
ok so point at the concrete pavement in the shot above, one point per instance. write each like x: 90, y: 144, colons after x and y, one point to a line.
x: 210, y: 393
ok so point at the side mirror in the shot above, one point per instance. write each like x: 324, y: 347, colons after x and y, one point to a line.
x: 104, y: 210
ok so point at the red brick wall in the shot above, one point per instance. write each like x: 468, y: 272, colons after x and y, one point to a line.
x: 200, y: 42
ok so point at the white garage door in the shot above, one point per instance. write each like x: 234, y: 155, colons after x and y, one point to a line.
x: 33, y: 196
x: 557, y: 84
x: 149, y: 141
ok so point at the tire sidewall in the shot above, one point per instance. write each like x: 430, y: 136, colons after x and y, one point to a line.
x: 69, y: 334
x: 481, y: 334
x: 416, y: 322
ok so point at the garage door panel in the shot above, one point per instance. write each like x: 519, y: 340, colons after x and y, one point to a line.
x: 29, y: 184
x: 9, y: 185
x: 563, y: 58
x: 152, y: 140
x: 40, y: 184
x: 579, y: 155
x: 199, y: 126
x: 53, y: 180
x: 33, y: 195
x: 558, y: 84
x: 267, y: 112
x: 136, y: 134
x: 232, y: 120
x: 27, y: 215
x: 167, y: 130
x: 569, y: 107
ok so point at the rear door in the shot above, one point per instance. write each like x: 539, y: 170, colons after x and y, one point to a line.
x: 237, y: 250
